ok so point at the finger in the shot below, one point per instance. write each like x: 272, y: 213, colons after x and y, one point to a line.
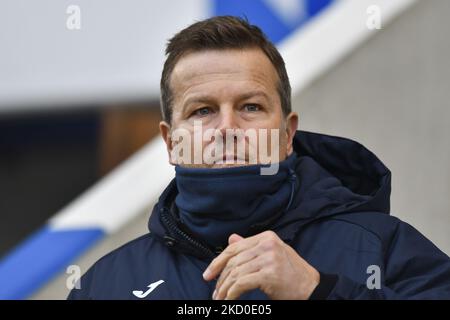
x: 216, y: 266
x: 234, y: 275
x: 244, y: 284
x: 236, y: 261
x: 234, y: 238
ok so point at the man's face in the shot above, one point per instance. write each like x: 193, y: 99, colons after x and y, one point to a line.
x: 224, y: 90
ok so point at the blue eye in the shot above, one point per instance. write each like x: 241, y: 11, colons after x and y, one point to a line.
x: 252, y: 107
x: 202, y: 111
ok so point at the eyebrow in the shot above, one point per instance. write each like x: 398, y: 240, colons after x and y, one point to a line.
x: 208, y: 98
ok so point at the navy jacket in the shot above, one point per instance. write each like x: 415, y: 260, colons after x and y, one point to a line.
x: 340, y: 224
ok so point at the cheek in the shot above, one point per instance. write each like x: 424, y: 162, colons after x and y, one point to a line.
x: 265, y: 121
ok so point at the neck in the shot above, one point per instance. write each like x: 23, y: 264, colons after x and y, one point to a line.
x: 214, y: 203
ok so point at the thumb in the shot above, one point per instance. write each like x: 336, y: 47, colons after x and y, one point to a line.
x: 234, y: 238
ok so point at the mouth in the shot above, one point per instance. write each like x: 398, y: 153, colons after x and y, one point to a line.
x: 230, y: 159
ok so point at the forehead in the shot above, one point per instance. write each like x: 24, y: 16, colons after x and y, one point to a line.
x: 231, y: 69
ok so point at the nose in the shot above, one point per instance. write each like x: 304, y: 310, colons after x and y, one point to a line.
x: 228, y: 119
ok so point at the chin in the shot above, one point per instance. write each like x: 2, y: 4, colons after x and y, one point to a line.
x: 229, y: 165
x: 218, y: 165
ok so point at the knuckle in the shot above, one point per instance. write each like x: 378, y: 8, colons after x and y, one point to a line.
x: 220, y: 281
x: 231, y: 249
x: 232, y: 262
x: 233, y: 293
x: 269, y: 244
x: 219, y: 292
x: 234, y: 273
x: 213, y: 263
x: 271, y: 240
x: 271, y: 235
x: 239, y: 284
x: 272, y: 270
x: 269, y: 272
x: 272, y: 255
x: 212, y: 267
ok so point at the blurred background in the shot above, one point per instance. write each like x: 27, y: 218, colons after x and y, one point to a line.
x: 81, y: 160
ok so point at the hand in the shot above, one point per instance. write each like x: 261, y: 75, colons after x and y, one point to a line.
x: 263, y: 261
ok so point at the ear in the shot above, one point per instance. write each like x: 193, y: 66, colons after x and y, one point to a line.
x: 165, y: 130
x: 291, y: 129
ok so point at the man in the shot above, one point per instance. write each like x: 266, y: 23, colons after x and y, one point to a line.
x: 316, y: 227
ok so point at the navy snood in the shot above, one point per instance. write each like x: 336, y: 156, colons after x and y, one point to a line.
x: 214, y: 203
